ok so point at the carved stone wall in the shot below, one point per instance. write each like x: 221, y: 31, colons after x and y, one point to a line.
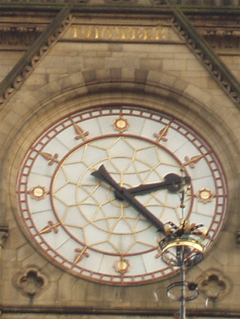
x: 217, y: 3
x: 100, y: 61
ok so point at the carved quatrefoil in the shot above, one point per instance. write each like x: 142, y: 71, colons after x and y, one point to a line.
x: 214, y: 285
x: 30, y: 282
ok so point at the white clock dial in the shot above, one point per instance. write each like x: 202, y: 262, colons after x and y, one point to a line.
x: 77, y: 221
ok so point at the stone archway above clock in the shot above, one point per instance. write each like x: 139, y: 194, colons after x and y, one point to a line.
x: 160, y: 91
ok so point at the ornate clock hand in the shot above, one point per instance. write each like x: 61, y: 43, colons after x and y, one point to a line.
x: 122, y: 193
x: 142, y: 210
x: 103, y: 175
x: 172, y: 182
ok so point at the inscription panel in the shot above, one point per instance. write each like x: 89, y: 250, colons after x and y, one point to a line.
x: 121, y: 33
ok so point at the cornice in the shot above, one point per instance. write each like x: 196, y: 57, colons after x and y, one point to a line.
x: 31, y: 58
x: 121, y: 6
x: 180, y: 23
x: 148, y: 312
x: 202, y: 50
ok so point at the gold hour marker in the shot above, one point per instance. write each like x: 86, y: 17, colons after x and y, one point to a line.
x: 205, y: 195
x: 162, y: 134
x: 80, y: 133
x: 193, y: 160
x: 122, y: 265
x: 38, y: 192
x: 81, y: 253
x: 50, y: 227
x: 51, y: 158
x: 121, y: 124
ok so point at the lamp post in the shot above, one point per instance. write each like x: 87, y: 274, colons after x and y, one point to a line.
x: 183, y: 247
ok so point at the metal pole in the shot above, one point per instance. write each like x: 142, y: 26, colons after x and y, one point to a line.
x: 183, y: 287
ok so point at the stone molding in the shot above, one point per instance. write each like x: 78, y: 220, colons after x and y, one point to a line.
x: 3, y: 235
x: 22, y: 37
x: 195, y: 42
x: 30, y: 60
x: 181, y: 25
x: 193, y: 3
x: 18, y: 37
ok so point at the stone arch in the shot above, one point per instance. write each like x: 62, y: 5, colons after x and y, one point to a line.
x: 110, y: 86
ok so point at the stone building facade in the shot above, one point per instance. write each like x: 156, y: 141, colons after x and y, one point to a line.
x: 179, y: 58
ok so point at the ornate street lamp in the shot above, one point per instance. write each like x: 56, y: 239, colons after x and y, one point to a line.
x: 183, y: 247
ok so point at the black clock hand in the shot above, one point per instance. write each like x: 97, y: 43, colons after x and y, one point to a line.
x: 142, y: 210
x: 172, y: 182
x: 122, y: 193
x: 103, y: 175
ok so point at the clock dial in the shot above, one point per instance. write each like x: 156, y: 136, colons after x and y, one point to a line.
x: 78, y: 221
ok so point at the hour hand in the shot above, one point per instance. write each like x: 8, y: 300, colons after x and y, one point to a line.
x: 172, y: 182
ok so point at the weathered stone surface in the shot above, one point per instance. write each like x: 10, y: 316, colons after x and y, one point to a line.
x: 166, y: 76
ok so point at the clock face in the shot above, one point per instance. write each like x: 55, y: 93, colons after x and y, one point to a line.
x: 76, y: 220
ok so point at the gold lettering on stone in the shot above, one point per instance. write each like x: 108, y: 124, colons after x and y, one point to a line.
x: 119, y: 33
x: 86, y: 31
x: 75, y: 32
x: 160, y: 34
x: 109, y: 31
x: 148, y: 34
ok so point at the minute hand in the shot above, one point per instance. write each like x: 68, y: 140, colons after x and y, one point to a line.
x: 123, y: 193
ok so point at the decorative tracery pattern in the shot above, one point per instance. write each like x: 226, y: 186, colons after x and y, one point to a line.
x: 78, y: 221
x: 131, y: 161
